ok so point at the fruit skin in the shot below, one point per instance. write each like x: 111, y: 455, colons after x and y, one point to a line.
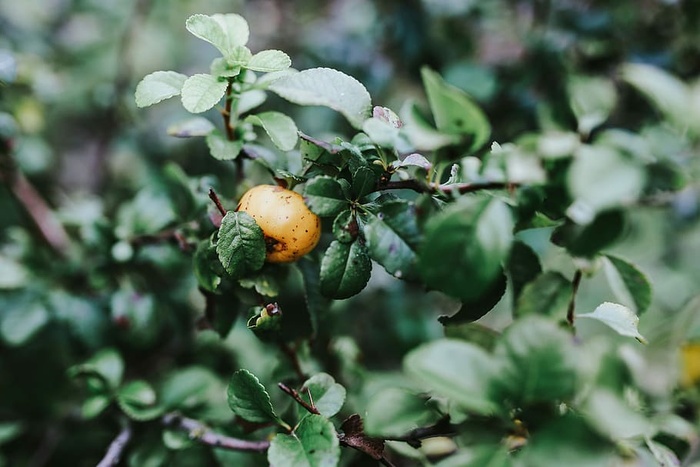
x: 291, y: 230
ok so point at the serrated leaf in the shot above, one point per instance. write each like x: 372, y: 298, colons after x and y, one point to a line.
x: 248, y: 398
x: 280, y: 128
x: 629, y: 284
x: 158, y: 86
x: 222, y: 149
x: 241, y: 244
x: 329, y: 88
x: 313, y: 443
x: 225, y: 32
x: 392, y: 236
x: 345, y: 269
x: 454, y: 111
x: 327, y: 395
x: 475, y: 233
x: 537, y: 362
x: 201, y: 92
x: 364, y: 180
x: 196, y: 126
x: 618, y: 317
x: 325, y: 197
x: 268, y: 61
x: 549, y: 295
x: 458, y: 370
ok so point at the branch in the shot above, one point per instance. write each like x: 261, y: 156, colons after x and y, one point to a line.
x: 214, y: 197
x: 413, y: 438
x: 294, y: 394
x: 202, y: 434
x: 575, y: 283
x: 226, y: 113
x: 458, y: 188
x: 116, y: 448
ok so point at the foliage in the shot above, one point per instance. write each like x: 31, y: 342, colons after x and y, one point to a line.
x: 505, y: 274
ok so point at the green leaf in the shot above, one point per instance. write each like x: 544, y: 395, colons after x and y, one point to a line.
x: 225, y: 32
x: 364, y: 180
x: 663, y: 454
x: 241, y: 245
x: 269, y: 61
x: 393, y: 412
x: 201, y: 92
x: 325, y: 196
x: 454, y: 111
x: 345, y: 269
x: 669, y: 94
x: 158, y: 86
x: 458, y: 370
x: 137, y: 393
x: 592, y: 98
x: 316, y: 303
x: 326, y: 87
x: 420, y: 133
x: 248, y: 398
x: 9, y: 431
x: 187, y: 387
x: 629, y: 284
x: 205, y: 262
x: 107, y: 364
x: 314, y: 443
x: 345, y: 227
x: 392, y: 236
x: 280, y: 128
x: 195, y: 126
x: 13, y: 274
x: 475, y: 309
x: 327, y: 395
x: 613, y: 417
x: 222, y: 149
x: 474, y: 235
x: 538, y: 362
x: 18, y: 325
x: 549, y: 295
x: 588, y: 240
x: 94, y: 406
x: 523, y: 267
x: 618, y: 317
x: 601, y: 178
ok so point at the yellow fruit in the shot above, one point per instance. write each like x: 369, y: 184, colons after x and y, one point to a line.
x: 690, y: 354
x: 291, y: 230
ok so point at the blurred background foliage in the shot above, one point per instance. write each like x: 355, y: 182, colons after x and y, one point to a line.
x: 110, y: 173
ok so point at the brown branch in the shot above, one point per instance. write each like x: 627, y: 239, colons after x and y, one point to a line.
x: 413, y: 438
x: 294, y: 394
x: 116, y: 448
x: 575, y: 283
x: 214, y: 197
x: 202, y: 434
x: 457, y: 188
x: 226, y: 113
x: 42, y: 216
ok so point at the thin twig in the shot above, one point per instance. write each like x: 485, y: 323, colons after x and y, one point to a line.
x: 294, y: 394
x: 413, y: 438
x: 294, y: 360
x: 116, y: 448
x: 214, y: 197
x: 226, y: 113
x: 202, y: 434
x: 575, y: 283
x: 458, y: 188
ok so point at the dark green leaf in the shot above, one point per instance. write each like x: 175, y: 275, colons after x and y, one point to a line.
x: 478, y: 307
x: 588, y: 240
x: 187, y: 387
x: 107, y: 364
x: 327, y: 395
x: 538, y: 362
x: 137, y: 393
x: 629, y: 283
x: 313, y: 443
x: 523, y: 267
x: 549, y: 295
x: 454, y: 111
x: 364, y: 180
x: 241, y: 245
x: 206, y: 265
x: 325, y: 197
x: 316, y: 303
x: 345, y: 228
x: 392, y: 236
x: 94, y: 406
x: 465, y: 246
x: 458, y: 370
x: 327, y: 87
x: 345, y: 269
x: 248, y: 399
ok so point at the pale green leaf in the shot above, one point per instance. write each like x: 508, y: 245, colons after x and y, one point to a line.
x: 618, y: 317
x: 158, y: 86
x: 280, y: 128
x: 226, y: 32
x: 269, y: 61
x: 201, y: 92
